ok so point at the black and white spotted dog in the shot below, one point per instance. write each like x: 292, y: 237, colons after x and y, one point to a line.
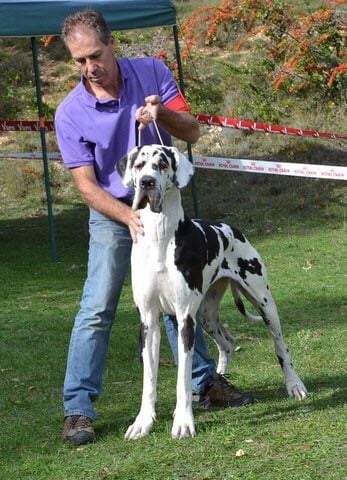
x: 183, y: 267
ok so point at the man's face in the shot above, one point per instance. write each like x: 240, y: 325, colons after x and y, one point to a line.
x: 94, y: 59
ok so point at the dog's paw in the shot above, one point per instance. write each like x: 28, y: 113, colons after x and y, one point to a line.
x: 183, y: 426
x: 140, y: 428
x: 297, y: 390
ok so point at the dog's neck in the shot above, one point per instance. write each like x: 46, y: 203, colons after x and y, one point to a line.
x: 160, y: 228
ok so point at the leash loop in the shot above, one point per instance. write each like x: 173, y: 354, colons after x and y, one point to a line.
x: 156, y: 129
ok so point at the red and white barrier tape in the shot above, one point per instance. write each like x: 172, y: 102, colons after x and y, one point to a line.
x: 30, y: 156
x: 27, y: 126
x: 235, y: 164
x: 273, y: 168
x: 265, y: 127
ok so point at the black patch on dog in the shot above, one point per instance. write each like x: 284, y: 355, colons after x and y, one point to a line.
x: 265, y: 319
x: 224, y: 239
x: 188, y: 333
x: 240, y: 306
x: 214, y: 275
x: 142, y: 339
x: 225, y: 264
x: 194, y: 250
x: 252, y: 266
x: 238, y: 235
x: 171, y: 155
x: 280, y: 359
x: 163, y: 163
x: 211, y: 239
x: 121, y: 164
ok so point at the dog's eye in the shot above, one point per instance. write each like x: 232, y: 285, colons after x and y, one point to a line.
x: 163, y: 166
x: 138, y: 166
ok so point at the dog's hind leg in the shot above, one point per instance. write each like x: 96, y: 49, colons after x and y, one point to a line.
x: 258, y: 293
x: 210, y: 321
x: 295, y: 386
x: 150, y: 356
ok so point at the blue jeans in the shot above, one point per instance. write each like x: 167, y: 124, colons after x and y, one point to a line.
x: 109, y: 260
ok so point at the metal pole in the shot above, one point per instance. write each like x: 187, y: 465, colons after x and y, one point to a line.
x: 44, y: 150
x: 189, y: 147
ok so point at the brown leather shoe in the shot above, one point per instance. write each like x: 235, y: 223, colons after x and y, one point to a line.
x: 78, y: 430
x: 221, y: 393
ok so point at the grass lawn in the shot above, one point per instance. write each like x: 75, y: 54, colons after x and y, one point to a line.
x: 277, y: 438
x: 299, y: 227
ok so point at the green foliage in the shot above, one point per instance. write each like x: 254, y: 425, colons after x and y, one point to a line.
x: 206, y: 92
x: 120, y: 37
x: 16, y: 83
x: 286, y: 53
x: 23, y: 184
x: 54, y: 48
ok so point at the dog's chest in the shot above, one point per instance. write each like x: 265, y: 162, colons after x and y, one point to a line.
x: 154, y: 275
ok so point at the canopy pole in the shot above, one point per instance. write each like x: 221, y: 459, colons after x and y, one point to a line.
x: 44, y: 150
x: 189, y: 147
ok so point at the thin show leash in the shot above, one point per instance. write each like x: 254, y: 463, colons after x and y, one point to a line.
x: 156, y: 129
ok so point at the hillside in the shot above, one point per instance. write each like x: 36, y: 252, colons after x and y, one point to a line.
x: 216, y: 84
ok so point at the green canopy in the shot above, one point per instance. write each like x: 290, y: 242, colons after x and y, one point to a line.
x: 44, y: 17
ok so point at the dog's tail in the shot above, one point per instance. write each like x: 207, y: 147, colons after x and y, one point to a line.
x: 241, y: 307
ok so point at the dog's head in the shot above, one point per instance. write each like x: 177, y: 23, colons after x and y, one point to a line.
x: 152, y: 170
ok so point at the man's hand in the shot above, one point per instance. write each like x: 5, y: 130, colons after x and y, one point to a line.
x: 180, y: 124
x: 97, y: 198
x: 146, y: 114
x: 135, y: 224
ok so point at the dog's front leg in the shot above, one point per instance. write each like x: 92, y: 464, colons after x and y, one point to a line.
x: 150, y: 355
x: 183, y: 424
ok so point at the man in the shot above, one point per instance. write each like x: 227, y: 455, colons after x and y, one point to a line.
x: 96, y: 124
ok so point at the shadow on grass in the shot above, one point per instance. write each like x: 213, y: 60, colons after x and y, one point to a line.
x: 27, y: 240
x: 325, y: 393
x: 273, y: 404
x: 315, y: 386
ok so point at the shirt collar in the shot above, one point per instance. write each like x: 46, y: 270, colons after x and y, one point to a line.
x: 92, y: 101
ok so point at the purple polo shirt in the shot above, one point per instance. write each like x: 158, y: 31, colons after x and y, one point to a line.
x: 100, y: 132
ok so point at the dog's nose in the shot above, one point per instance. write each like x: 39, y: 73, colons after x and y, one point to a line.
x: 147, y: 183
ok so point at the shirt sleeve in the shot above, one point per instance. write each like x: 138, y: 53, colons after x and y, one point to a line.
x: 178, y: 104
x: 75, y: 151
x: 169, y: 92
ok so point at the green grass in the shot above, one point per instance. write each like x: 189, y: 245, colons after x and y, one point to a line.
x: 299, y: 227
x: 281, y: 438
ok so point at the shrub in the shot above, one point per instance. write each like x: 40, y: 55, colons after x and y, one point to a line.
x: 16, y: 85
x: 296, y: 55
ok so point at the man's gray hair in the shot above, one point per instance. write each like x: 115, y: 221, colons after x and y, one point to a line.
x: 90, y: 18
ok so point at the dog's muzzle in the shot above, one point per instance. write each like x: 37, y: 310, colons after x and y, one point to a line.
x: 147, y: 183
x: 148, y: 194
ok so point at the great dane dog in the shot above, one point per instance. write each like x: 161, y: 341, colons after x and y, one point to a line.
x: 183, y: 267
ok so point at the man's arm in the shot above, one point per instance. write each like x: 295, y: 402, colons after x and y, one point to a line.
x: 182, y: 125
x: 103, y: 202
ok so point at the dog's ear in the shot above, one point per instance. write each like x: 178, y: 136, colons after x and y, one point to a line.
x: 124, y: 165
x: 183, y: 168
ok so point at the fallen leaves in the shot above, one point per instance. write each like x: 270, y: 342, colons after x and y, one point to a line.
x: 240, y: 453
